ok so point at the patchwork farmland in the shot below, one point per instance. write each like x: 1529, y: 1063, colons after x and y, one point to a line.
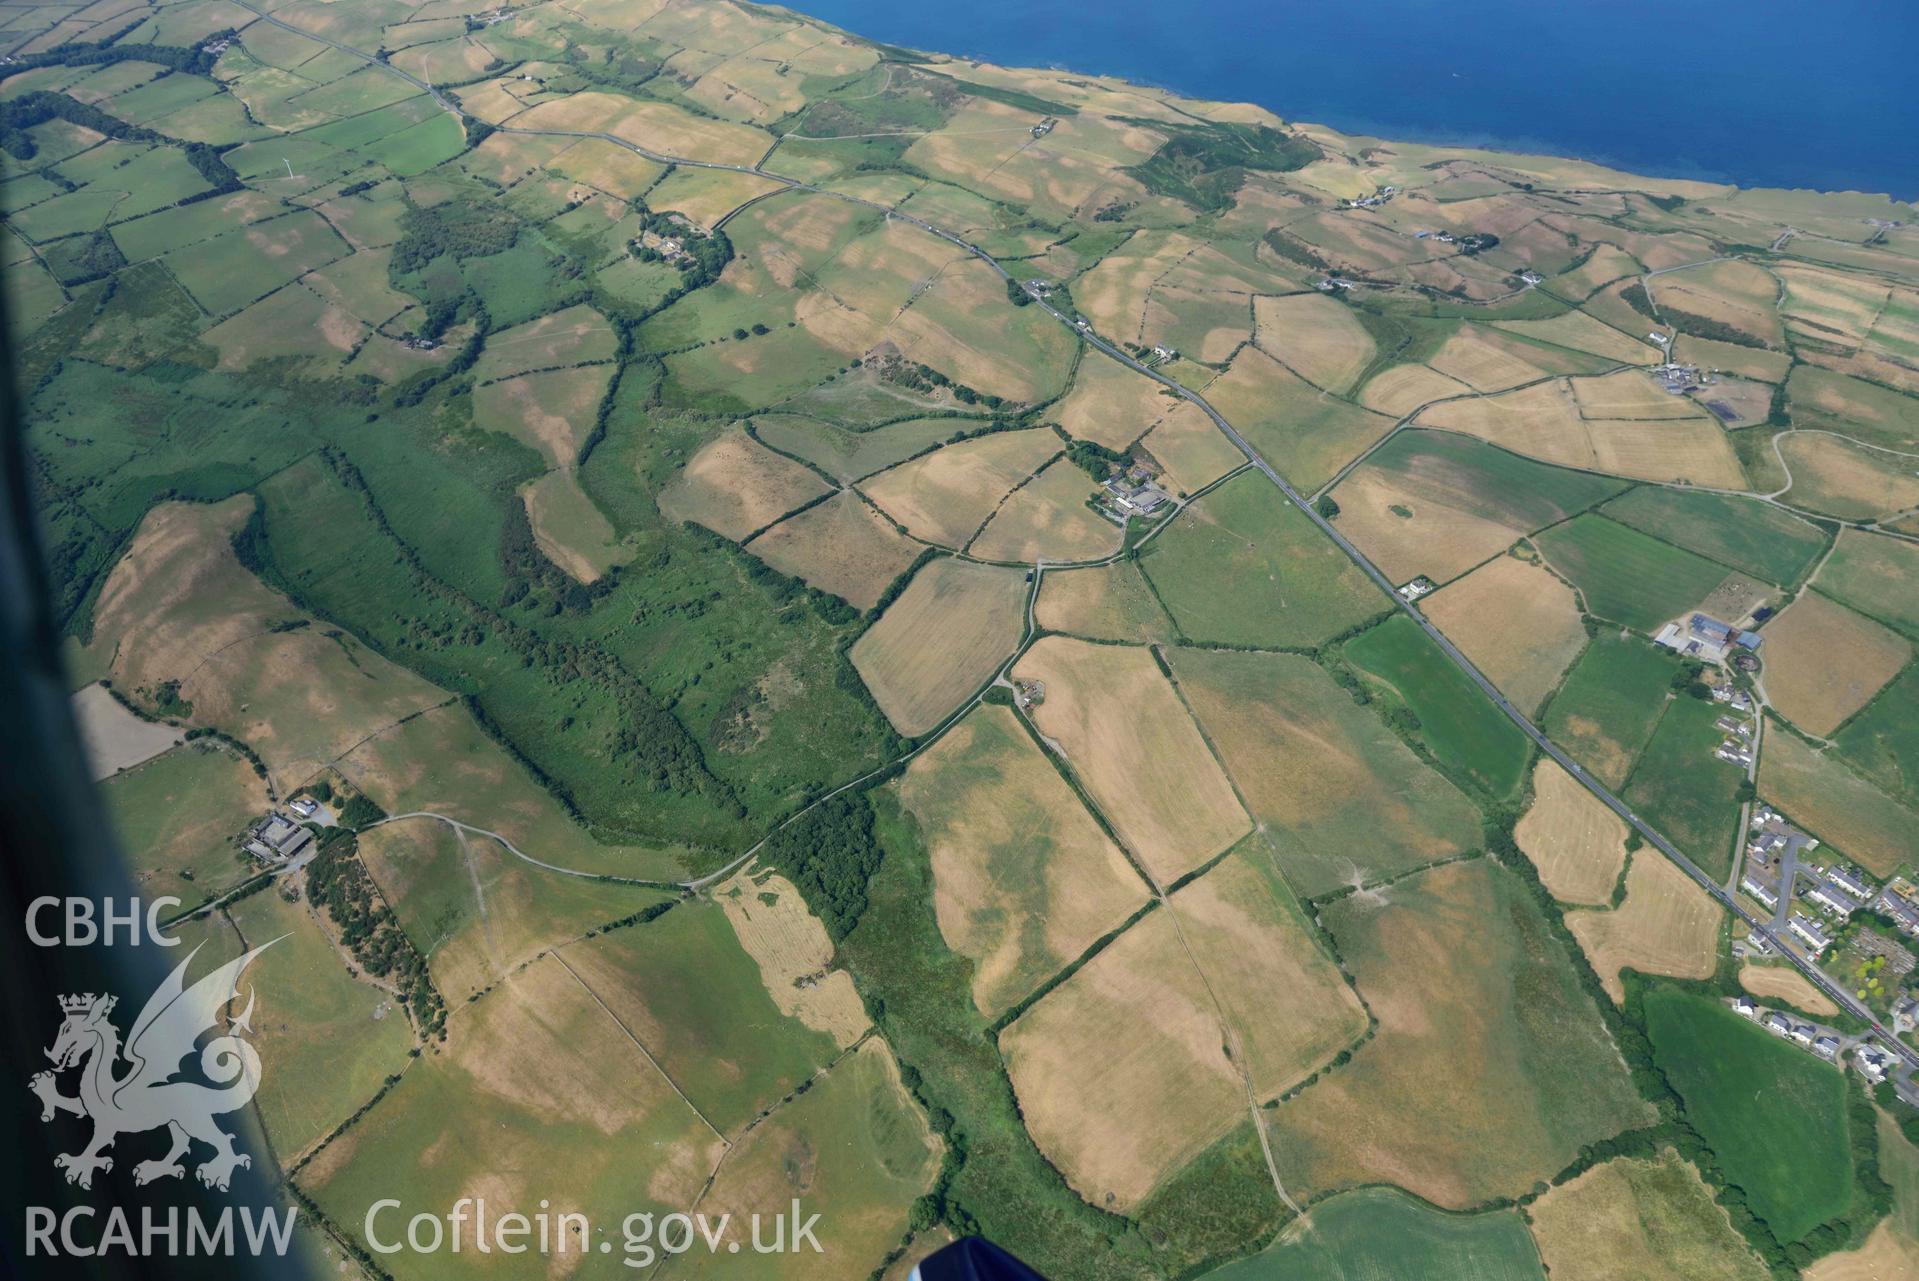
x: 746, y: 562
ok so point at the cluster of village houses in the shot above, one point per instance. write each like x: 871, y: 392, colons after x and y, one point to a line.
x: 1873, y: 1060
x: 1830, y: 892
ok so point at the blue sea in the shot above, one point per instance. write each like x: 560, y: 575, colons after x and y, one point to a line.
x: 1764, y: 93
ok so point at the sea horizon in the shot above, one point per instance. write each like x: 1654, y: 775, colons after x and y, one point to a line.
x: 1420, y: 72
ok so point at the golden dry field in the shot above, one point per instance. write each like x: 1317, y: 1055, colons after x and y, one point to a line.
x: 1407, y: 533
x: 840, y: 546
x: 1110, y: 602
x: 1047, y: 519
x: 1517, y: 622
x: 1114, y: 718
x: 1632, y: 1218
x: 1317, y: 337
x: 1823, y: 662
x: 1667, y: 925
x: 734, y: 485
x: 951, y: 628
x: 1783, y: 983
x: 947, y: 495
x: 1576, y: 842
x: 1024, y: 878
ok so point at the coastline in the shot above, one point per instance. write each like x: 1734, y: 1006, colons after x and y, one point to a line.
x: 1682, y: 167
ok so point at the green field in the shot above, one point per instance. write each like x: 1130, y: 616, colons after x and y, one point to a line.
x: 327, y: 1038
x: 1457, y: 722
x: 1741, y: 532
x: 1375, y: 1234
x: 1487, y: 481
x: 1883, y: 739
x: 1243, y: 566
x: 232, y: 269
x: 1607, y: 706
x: 847, y: 454
x: 692, y: 995
x: 1875, y: 575
x: 177, y: 817
x: 1484, y: 1030
x: 1627, y: 576
x: 1687, y: 794
x: 1774, y: 1115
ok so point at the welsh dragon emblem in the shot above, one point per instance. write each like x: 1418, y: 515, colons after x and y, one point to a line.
x: 149, y: 1094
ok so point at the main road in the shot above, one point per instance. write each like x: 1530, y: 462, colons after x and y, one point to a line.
x: 1759, y: 928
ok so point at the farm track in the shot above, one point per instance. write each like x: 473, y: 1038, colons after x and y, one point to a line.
x: 1762, y: 928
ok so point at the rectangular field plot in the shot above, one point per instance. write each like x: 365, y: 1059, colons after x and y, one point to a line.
x: 1436, y: 503
x: 1047, y: 519
x: 1839, y: 478
x: 1109, y: 602
x: 855, y: 1144
x: 1117, y: 721
x: 1243, y: 566
x: 1883, y: 740
x: 1483, y: 1029
x: 951, y: 628
x: 1456, y: 720
x: 1573, y: 838
x: 1824, y: 662
x: 555, y: 1076
x: 1382, y: 1232
x: 684, y: 988
x: 841, y: 546
x: 1844, y: 809
x: 178, y: 817
x: 1774, y: 1115
x: 332, y: 1036
x: 1877, y: 576
x: 1340, y: 800
x: 1147, y: 1020
x: 1606, y: 708
x: 1516, y: 622
x: 236, y: 267
x: 947, y: 495
x: 1025, y: 879
x: 1628, y: 576
x: 1306, y: 434
x: 1741, y: 532
x: 1685, y: 792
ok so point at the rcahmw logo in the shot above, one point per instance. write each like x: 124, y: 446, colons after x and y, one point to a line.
x: 146, y: 1084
